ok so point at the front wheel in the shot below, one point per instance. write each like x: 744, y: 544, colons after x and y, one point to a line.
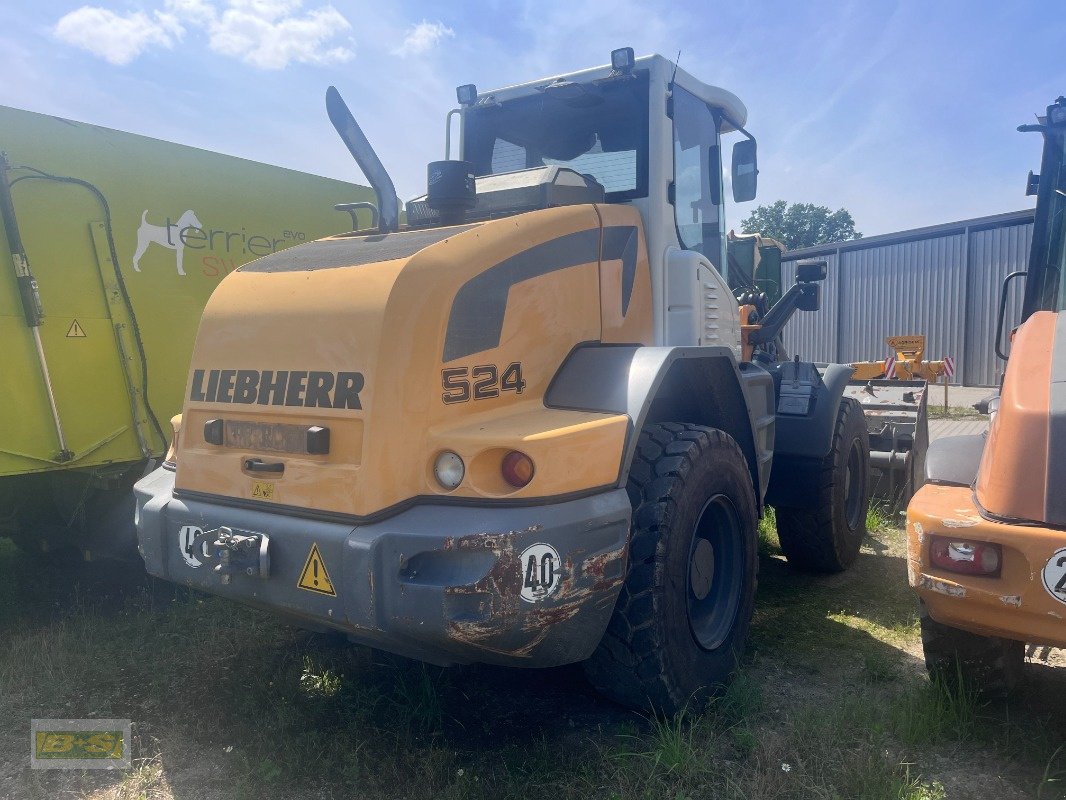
x: 683, y: 614
x: 988, y: 665
x: 826, y: 537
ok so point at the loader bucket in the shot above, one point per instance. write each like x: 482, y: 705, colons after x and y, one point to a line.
x: 898, y: 425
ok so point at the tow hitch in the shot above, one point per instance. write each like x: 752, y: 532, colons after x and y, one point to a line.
x: 234, y: 552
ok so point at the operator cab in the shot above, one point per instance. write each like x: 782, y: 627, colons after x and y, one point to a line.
x: 642, y: 132
x: 615, y: 127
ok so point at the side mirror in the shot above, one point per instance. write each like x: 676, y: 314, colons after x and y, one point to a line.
x: 810, y: 298
x: 745, y: 171
x: 811, y: 271
x: 1032, y: 185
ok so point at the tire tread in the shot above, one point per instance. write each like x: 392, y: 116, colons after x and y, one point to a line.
x: 630, y: 664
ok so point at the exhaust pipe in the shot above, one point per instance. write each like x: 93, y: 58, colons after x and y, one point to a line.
x: 356, y: 142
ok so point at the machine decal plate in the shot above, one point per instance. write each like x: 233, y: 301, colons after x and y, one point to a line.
x: 263, y: 490
x: 314, y: 577
x: 185, y: 541
x: 1055, y: 575
x: 541, y: 572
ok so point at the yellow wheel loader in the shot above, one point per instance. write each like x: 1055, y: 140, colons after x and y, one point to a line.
x: 987, y: 534
x: 525, y: 428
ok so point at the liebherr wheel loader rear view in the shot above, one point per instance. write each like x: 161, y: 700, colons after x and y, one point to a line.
x: 526, y: 428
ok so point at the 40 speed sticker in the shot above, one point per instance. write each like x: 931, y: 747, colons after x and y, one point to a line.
x: 1055, y: 575
x: 540, y: 572
x: 185, y: 542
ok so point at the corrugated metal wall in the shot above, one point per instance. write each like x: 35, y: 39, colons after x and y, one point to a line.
x: 994, y: 254
x: 943, y: 282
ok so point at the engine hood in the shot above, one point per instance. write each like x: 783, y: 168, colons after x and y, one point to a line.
x: 1023, y: 468
x: 401, y: 346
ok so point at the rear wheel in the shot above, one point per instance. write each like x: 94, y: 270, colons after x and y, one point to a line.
x: 826, y: 536
x: 683, y: 614
x: 987, y: 664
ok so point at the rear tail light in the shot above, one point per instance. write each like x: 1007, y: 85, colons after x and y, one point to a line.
x: 965, y: 556
x: 517, y: 469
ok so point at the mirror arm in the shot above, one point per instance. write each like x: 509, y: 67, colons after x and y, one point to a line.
x: 777, y: 317
x: 737, y: 126
x: 1003, y: 311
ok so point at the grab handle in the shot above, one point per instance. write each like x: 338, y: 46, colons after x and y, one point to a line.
x: 258, y: 465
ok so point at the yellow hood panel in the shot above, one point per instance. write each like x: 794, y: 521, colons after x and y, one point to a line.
x: 382, y: 354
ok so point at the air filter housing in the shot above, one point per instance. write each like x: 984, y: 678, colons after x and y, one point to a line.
x: 451, y: 190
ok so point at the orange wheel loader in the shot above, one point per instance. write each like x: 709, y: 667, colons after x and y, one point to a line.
x: 525, y: 427
x: 987, y: 533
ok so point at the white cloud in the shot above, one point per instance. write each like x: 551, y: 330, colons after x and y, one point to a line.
x: 269, y: 34
x: 117, y: 38
x: 192, y: 12
x: 423, y: 37
x: 264, y: 34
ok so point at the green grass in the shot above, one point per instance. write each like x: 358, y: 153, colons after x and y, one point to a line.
x: 830, y: 702
x: 936, y: 711
x: 937, y: 411
x: 1054, y: 774
x: 879, y: 516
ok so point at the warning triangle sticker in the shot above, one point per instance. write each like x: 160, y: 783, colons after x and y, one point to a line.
x: 314, y: 577
x: 75, y: 331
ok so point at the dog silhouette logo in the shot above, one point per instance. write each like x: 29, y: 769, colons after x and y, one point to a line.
x: 168, y: 236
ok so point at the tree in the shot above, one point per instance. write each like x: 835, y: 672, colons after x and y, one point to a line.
x: 801, y: 224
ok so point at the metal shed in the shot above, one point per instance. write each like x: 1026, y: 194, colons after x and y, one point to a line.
x: 942, y: 281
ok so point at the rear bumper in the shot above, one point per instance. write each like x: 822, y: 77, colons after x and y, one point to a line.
x: 1017, y: 604
x: 441, y: 583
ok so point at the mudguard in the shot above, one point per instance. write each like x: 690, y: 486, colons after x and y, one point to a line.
x: 807, y: 406
x: 703, y: 385
x: 808, y: 402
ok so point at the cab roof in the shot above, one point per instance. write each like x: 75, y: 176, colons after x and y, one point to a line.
x: 662, y: 70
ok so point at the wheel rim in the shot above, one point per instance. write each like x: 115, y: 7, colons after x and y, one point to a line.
x: 853, y: 488
x: 715, y: 573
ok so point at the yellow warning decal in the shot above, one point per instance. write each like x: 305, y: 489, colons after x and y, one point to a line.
x: 263, y: 490
x: 75, y: 331
x: 314, y: 577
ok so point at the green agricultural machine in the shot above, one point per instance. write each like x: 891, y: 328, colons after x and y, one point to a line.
x: 116, y: 242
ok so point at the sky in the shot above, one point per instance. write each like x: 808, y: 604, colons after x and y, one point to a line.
x: 904, y: 113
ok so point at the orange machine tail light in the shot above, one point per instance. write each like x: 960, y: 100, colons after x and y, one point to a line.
x: 965, y: 556
x: 517, y: 469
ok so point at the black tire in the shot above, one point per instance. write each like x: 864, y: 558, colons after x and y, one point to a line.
x: 826, y: 537
x: 989, y: 665
x: 683, y: 614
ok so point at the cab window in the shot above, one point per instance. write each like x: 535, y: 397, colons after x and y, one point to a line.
x: 697, y: 176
